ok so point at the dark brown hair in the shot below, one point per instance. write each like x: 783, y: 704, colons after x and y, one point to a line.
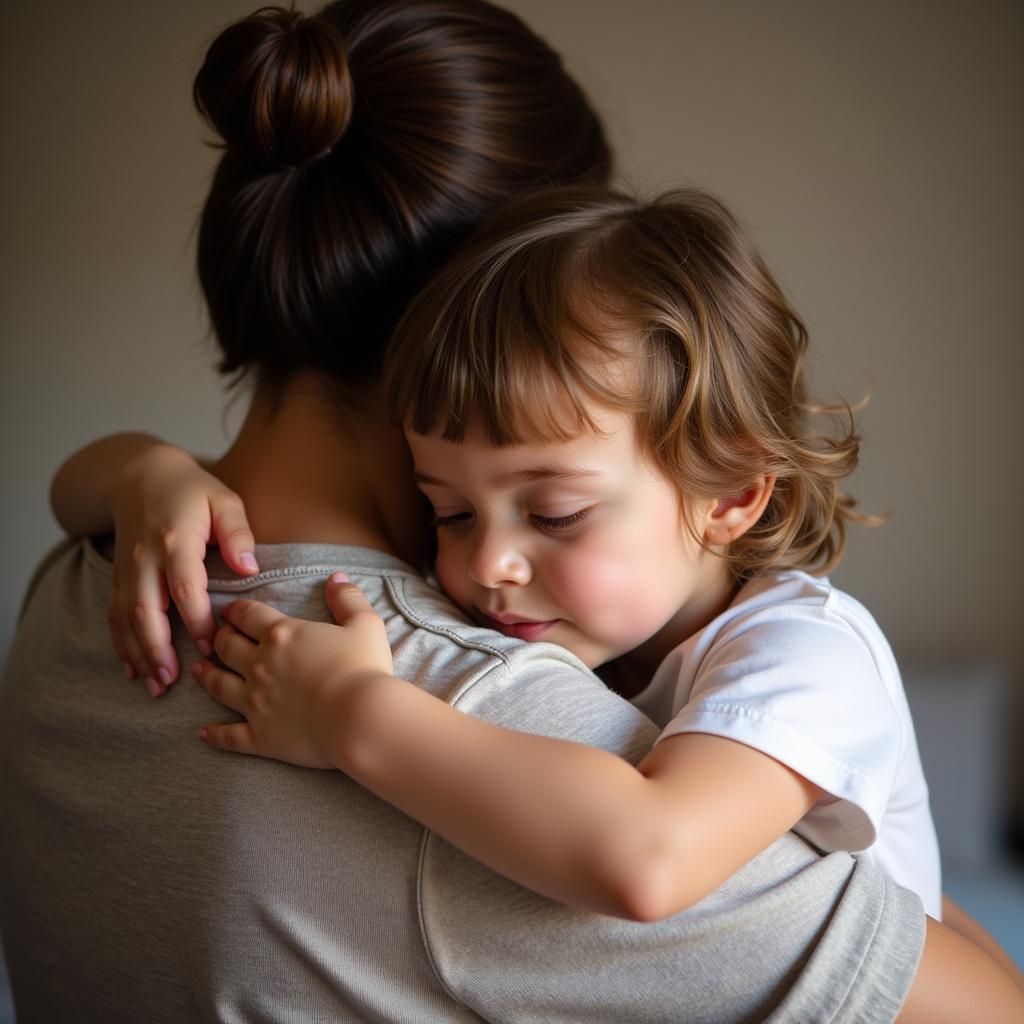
x: 662, y: 309
x: 361, y: 145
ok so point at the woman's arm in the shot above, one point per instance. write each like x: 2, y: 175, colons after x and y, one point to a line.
x: 164, y: 509
x: 574, y: 823
x: 958, y: 983
x: 955, y: 917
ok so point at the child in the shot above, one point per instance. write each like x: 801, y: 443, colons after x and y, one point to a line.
x: 606, y: 408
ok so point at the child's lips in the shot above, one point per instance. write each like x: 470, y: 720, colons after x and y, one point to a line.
x: 517, y: 627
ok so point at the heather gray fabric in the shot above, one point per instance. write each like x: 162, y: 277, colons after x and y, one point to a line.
x: 145, y: 877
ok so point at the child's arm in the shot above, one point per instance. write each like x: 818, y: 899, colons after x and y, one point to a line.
x: 164, y: 509
x: 574, y: 823
x: 80, y: 493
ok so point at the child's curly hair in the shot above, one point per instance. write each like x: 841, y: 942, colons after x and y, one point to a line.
x: 662, y: 309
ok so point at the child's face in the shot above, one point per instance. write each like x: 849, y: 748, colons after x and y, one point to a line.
x: 581, y: 543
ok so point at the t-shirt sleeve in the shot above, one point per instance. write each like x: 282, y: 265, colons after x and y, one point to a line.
x: 803, y: 686
x: 791, y: 936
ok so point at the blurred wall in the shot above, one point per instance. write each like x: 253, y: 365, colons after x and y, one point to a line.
x: 875, y: 148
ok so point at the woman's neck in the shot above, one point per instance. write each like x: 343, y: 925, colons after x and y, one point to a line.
x: 308, y: 473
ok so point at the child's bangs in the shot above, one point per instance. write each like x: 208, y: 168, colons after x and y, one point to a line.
x: 511, y: 355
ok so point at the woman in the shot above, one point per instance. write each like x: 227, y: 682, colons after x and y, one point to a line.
x: 361, y: 146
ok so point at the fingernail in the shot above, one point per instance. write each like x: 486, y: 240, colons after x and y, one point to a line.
x: 197, y: 669
x: 202, y: 733
x: 205, y: 648
x: 163, y: 675
x: 248, y: 561
x: 154, y: 688
x: 129, y: 671
x: 339, y: 577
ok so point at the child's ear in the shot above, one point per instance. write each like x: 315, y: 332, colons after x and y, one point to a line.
x: 729, y: 518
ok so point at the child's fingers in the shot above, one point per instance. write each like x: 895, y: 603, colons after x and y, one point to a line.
x: 122, y: 653
x: 118, y: 627
x: 136, y: 657
x: 253, y: 618
x: 152, y: 631
x: 186, y: 583
x: 224, y: 687
x: 235, y: 649
x: 126, y: 641
x: 234, y: 736
x: 231, y: 532
x: 345, y: 600
x: 148, y: 617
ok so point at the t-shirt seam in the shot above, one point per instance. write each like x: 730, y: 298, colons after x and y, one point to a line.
x: 866, y: 625
x: 421, y: 913
x: 840, y: 613
x: 394, y: 582
x: 825, y: 599
x: 221, y: 583
x: 428, y: 837
x: 396, y: 590
x: 298, y: 572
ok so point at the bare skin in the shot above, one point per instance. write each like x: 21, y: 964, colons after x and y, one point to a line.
x: 956, y: 982
x: 298, y: 470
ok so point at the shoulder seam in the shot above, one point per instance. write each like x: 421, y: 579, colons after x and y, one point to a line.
x: 296, y: 572
x: 421, y: 914
x: 430, y: 837
x: 396, y: 588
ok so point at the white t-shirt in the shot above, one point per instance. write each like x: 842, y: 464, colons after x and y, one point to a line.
x: 799, y: 670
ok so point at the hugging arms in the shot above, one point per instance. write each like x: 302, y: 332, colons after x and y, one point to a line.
x: 347, y: 903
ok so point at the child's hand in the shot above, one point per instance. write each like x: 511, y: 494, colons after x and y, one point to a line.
x: 167, y: 509
x: 296, y: 680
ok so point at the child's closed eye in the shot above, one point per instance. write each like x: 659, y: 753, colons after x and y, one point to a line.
x: 452, y: 520
x: 556, y: 523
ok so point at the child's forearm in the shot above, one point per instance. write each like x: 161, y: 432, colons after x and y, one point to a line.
x: 165, y: 509
x: 572, y: 822
x: 557, y: 817
x: 81, y: 488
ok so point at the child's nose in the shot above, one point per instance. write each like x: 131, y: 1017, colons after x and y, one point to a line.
x: 495, y: 561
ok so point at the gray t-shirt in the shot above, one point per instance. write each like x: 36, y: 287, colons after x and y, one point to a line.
x: 146, y: 877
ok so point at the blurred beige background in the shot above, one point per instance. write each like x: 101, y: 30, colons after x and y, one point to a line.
x: 875, y: 148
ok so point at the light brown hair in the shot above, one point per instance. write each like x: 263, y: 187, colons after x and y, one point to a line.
x: 562, y: 290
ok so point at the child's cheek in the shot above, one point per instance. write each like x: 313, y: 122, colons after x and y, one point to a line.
x: 606, y: 596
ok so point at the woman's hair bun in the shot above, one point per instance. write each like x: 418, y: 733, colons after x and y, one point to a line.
x: 276, y: 85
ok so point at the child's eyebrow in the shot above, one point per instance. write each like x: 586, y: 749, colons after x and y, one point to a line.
x: 520, y: 475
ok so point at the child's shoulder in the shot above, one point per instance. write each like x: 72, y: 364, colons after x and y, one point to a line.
x: 789, y: 619
x: 792, y: 639
x: 783, y: 587
x: 794, y: 594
